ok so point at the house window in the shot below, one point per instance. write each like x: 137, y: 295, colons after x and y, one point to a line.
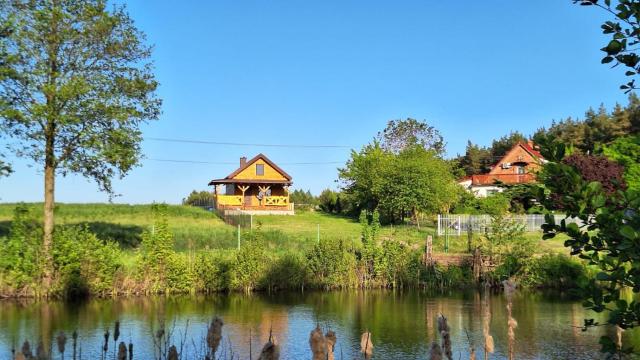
x: 260, y: 169
x: 521, y: 170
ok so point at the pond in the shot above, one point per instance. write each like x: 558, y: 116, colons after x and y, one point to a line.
x: 402, y: 324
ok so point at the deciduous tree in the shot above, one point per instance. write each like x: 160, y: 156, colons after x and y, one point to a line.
x: 76, y: 87
x: 400, y: 134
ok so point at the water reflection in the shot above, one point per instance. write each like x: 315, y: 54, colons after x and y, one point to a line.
x: 402, y: 323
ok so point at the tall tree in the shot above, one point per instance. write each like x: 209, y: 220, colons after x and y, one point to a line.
x: 501, y: 146
x: 78, y: 86
x: 400, y: 134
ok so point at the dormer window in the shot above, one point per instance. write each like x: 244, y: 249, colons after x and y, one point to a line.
x: 260, y: 169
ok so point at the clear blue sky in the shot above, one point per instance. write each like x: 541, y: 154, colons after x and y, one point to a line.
x: 334, y: 72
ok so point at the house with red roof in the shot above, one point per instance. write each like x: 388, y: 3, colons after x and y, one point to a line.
x: 258, y: 187
x: 518, y: 166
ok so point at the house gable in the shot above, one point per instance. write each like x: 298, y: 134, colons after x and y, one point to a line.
x: 251, y: 170
x: 520, y: 155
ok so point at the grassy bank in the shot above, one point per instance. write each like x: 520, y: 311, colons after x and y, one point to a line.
x: 107, y: 250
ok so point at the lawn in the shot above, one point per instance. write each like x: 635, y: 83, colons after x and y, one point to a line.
x: 195, y: 228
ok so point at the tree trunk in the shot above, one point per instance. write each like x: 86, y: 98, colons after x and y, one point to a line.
x: 49, y: 203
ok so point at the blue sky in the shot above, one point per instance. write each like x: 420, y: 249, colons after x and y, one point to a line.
x: 334, y: 72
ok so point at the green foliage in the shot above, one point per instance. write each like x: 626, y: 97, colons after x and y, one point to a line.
x: 211, y: 270
x: 288, y: 271
x: 198, y: 198
x: 626, y: 152
x: 157, y: 250
x: 80, y: 96
x: 84, y: 264
x: 19, y: 252
x: 556, y: 271
x: 505, y: 238
x: 396, y: 265
x: 332, y: 264
x: 495, y: 205
x: 301, y: 197
x: 402, y: 134
x: 608, y: 240
x: 248, y: 268
x: 328, y: 200
x: 410, y: 182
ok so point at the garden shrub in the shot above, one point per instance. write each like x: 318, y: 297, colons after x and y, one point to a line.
x: 211, y: 271
x: 557, y: 271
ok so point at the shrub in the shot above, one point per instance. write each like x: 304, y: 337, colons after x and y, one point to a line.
x: 249, y: 266
x: 553, y: 271
x: 19, y: 252
x: 211, y: 271
x: 332, y: 265
x: 289, y: 271
x: 157, y: 250
x: 84, y: 264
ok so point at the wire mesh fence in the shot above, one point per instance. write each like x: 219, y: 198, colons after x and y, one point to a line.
x: 460, y: 224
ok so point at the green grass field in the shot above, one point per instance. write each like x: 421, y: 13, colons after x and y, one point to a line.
x: 195, y: 228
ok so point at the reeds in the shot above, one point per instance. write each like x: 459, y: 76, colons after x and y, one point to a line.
x: 122, y: 351
x: 366, y: 346
x: 214, y: 336
x: 443, y: 328
x: 486, y: 323
x: 271, y: 350
x: 61, y: 340
x: 435, y: 351
x: 318, y: 344
x: 331, y: 344
x: 512, y: 324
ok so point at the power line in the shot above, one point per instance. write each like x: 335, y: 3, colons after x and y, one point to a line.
x: 246, y: 144
x: 234, y: 163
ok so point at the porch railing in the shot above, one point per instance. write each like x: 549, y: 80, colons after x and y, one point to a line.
x: 276, y: 201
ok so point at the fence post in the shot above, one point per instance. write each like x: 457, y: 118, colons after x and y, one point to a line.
x: 251, y: 222
x: 439, y: 224
x: 238, y: 236
x: 459, y: 225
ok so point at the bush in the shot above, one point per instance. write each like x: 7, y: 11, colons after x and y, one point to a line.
x: 553, y: 271
x: 84, y: 264
x: 250, y: 264
x: 289, y: 271
x: 211, y: 271
x: 332, y: 264
x: 20, y: 253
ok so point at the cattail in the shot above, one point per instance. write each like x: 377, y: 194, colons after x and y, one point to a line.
x: 366, y: 346
x: 26, y: 349
x: 105, y: 347
x: 130, y: 351
x: 214, y: 335
x: 318, y: 344
x: 435, y: 353
x: 486, y: 322
x: 271, y: 350
x: 122, y: 351
x: 173, y: 353
x: 41, y: 354
x: 331, y: 344
x: 509, y: 290
x: 116, y: 331
x: 472, y: 354
x: 443, y: 328
x: 61, y: 339
x: 20, y: 356
x: 74, y: 336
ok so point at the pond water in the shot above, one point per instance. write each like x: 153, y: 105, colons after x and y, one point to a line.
x: 402, y: 324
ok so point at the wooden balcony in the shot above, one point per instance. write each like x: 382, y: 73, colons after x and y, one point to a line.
x: 267, y: 203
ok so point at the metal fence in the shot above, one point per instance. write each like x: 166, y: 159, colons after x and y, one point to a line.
x: 456, y: 225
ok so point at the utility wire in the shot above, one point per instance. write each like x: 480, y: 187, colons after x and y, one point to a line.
x: 234, y: 163
x: 245, y: 144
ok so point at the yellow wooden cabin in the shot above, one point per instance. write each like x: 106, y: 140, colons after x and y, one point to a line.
x: 258, y: 186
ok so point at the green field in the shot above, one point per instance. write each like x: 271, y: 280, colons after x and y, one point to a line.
x: 195, y: 228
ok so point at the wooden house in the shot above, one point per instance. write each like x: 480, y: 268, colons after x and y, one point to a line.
x: 258, y: 186
x: 518, y: 166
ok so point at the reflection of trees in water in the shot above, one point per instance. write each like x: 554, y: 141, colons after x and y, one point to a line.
x: 400, y: 322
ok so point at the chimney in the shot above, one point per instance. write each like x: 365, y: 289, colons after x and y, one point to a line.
x: 531, y: 144
x: 243, y: 161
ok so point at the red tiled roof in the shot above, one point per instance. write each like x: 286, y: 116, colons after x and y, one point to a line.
x: 508, y: 179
